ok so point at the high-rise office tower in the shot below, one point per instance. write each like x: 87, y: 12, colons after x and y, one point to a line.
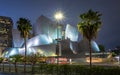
x: 6, y: 25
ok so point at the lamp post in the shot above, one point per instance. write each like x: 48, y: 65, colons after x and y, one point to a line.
x: 58, y: 16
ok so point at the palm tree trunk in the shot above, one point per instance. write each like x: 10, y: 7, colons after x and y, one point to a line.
x: 3, y: 66
x: 90, y: 53
x: 25, y: 55
x: 9, y: 66
x: 0, y: 66
x: 16, y: 67
x: 33, y: 68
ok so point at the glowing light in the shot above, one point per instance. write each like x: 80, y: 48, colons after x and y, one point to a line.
x: 36, y: 42
x: 13, y: 51
x: 94, y: 59
x: 31, y: 50
x: 53, y: 54
x: 40, y: 51
x: 50, y: 39
x: 58, y: 15
x: 29, y: 44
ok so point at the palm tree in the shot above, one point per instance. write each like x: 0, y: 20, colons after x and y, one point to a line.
x: 24, y: 26
x: 89, y: 27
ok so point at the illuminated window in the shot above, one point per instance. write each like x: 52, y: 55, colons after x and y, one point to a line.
x: 8, y: 22
x: 2, y: 21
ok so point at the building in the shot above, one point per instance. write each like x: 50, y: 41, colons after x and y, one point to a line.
x: 44, y: 40
x: 47, y: 27
x: 6, y: 25
x: 18, y: 41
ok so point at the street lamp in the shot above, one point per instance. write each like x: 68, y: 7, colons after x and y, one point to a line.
x: 58, y: 16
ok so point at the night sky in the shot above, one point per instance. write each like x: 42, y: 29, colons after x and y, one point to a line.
x: 109, y: 35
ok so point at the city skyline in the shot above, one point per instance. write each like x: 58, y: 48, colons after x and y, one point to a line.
x: 108, y: 35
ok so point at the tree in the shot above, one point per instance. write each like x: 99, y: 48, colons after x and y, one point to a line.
x: 1, y: 60
x: 102, y: 49
x: 16, y: 58
x: 33, y: 58
x: 114, y: 54
x: 24, y: 26
x: 89, y: 27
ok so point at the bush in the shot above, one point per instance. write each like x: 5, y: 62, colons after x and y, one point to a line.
x: 80, y: 70
x: 54, y: 69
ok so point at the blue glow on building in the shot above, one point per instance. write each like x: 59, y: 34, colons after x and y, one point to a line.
x: 95, y: 46
x: 71, y: 33
x: 46, y: 32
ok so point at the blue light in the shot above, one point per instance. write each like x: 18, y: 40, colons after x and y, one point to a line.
x: 13, y: 51
x: 71, y: 33
x: 95, y: 46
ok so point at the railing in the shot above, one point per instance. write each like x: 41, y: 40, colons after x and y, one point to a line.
x: 54, y: 69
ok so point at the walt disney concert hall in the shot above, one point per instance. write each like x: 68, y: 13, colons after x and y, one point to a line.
x: 51, y: 39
